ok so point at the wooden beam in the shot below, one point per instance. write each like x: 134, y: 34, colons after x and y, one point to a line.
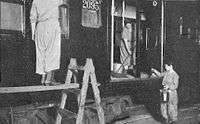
x: 66, y: 114
x: 162, y: 34
x: 183, y: 0
x: 112, y: 34
x: 178, y: 0
x: 123, y: 13
x: 37, y: 88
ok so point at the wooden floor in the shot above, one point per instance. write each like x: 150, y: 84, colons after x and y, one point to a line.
x: 140, y: 115
x: 186, y: 115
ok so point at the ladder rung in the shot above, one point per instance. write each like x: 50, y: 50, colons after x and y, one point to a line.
x: 75, y: 72
x: 76, y: 67
x: 75, y: 91
x: 92, y: 108
x: 98, y: 84
x: 67, y: 114
x: 89, y: 101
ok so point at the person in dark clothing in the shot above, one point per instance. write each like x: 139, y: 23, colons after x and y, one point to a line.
x: 170, y: 83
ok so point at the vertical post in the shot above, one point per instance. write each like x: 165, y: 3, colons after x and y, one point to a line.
x: 181, y: 25
x: 62, y: 106
x: 147, y: 38
x: 12, y: 115
x: 138, y: 23
x: 123, y: 13
x: 162, y: 34
x: 112, y: 33
x: 135, y: 38
x: 23, y: 16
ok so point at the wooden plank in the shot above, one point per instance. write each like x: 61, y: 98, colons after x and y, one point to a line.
x: 183, y: 0
x: 134, y: 79
x: 67, y: 114
x: 32, y: 107
x: 41, y: 115
x: 76, y: 68
x: 179, y: 0
x: 37, y: 88
x: 62, y: 106
x: 74, y: 91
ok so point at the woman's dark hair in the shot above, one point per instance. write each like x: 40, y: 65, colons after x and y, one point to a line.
x: 169, y: 63
x: 168, y: 60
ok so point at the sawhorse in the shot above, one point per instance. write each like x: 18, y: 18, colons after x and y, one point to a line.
x: 89, y: 73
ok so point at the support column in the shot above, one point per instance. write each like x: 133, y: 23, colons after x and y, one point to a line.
x: 123, y: 13
x: 112, y: 33
x: 138, y: 35
x: 162, y: 35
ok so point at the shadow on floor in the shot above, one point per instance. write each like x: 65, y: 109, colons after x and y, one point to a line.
x: 154, y: 110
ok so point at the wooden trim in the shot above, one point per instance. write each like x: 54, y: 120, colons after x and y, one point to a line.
x: 37, y: 88
x: 162, y: 34
x: 179, y: 0
x: 13, y: 1
x: 112, y: 34
x: 182, y: 0
x: 6, y: 31
x: 133, y: 79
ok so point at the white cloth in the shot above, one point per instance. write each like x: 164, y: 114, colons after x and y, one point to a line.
x: 125, y: 48
x: 45, y: 14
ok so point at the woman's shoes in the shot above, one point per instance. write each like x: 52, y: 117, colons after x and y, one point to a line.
x: 54, y: 83
x: 172, y: 122
x: 47, y: 83
x: 165, y: 121
x: 43, y: 79
x: 169, y: 122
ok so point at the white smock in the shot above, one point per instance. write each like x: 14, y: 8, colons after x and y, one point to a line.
x: 45, y: 13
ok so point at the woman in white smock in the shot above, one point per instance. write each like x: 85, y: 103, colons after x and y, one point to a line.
x: 46, y: 33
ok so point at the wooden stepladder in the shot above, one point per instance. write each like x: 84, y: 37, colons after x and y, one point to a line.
x: 88, y: 77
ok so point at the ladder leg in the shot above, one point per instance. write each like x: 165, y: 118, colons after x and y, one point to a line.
x: 69, y: 72
x: 82, y: 99
x: 68, y: 77
x: 62, y: 106
x: 76, y: 81
x: 97, y: 99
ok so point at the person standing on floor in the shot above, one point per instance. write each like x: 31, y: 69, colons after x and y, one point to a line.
x: 170, y: 82
x: 46, y: 33
x: 125, y: 49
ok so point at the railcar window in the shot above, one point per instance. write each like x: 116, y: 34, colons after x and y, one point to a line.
x: 12, y: 16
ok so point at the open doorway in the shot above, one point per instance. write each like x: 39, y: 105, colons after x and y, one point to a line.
x: 124, y: 46
x: 124, y: 36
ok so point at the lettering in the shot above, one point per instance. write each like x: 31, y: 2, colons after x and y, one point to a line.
x: 93, y: 5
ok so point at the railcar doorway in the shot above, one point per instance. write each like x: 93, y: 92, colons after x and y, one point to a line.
x: 130, y: 39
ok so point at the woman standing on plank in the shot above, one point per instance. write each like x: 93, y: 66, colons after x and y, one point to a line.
x: 46, y: 31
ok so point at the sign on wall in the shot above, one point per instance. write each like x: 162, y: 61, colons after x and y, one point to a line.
x: 91, y: 13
